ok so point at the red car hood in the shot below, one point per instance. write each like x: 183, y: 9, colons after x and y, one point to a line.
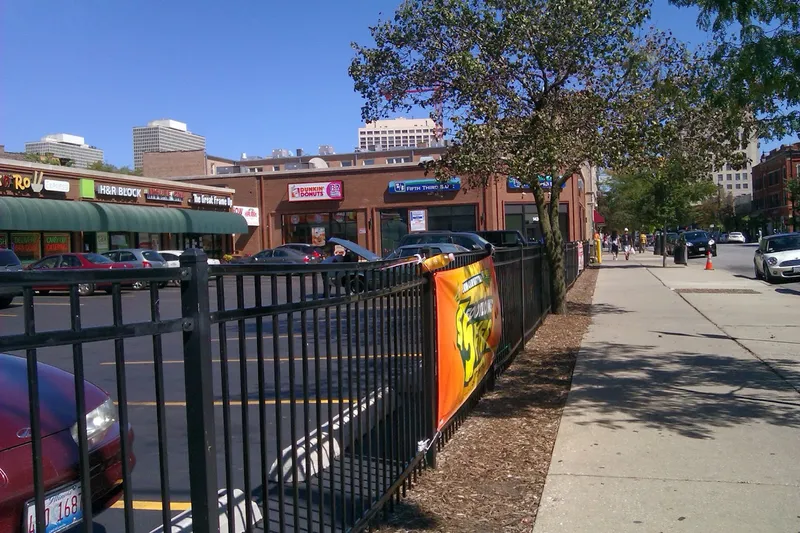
x: 56, y: 400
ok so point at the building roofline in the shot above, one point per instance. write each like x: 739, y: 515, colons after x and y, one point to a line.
x: 303, y: 172
x: 82, y: 172
x: 336, y: 157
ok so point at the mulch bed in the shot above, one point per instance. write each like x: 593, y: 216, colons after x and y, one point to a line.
x: 490, y: 476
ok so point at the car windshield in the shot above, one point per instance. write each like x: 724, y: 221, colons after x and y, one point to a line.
x: 97, y: 259
x: 499, y: 238
x: 413, y: 250
x: 695, y: 235
x: 168, y: 256
x: 783, y: 243
x: 8, y: 258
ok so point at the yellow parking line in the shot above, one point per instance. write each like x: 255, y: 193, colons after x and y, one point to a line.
x: 253, y: 402
x: 4, y: 314
x: 144, y: 505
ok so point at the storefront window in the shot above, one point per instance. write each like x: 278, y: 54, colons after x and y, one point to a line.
x: 452, y: 218
x: 3, y: 241
x: 317, y: 228
x: 525, y: 219
x: 394, y: 225
x: 27, y: 246
x: 120, y: 240
x: 56, y: 243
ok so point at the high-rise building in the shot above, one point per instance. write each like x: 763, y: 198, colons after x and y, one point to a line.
x: 281, y: 152
x: 738, y: 182
x: 397, y: 133
x: 66, y: 146
x: 326, y: 149
x: 164, y: 135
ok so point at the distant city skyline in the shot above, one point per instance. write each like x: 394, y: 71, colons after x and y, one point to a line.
x: 302, y: 100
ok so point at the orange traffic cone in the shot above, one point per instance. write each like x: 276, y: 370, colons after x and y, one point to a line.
x: 709, y: 266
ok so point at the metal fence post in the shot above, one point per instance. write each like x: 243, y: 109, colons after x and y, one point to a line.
x: 523, y: 290
x: 430, y: 366
x: 198, y: 375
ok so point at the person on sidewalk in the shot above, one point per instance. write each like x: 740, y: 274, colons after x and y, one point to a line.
x: 642, y: 242
x: 626, y: 241
x: 614, y: 244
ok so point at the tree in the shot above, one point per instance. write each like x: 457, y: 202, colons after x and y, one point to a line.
x: 794, y: 199
x: 758, y: 43
x: 103, y: 166
x: 543, y: 88
x: 48, y: 159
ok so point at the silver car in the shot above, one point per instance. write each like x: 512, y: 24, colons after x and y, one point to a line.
x: 137, y: 258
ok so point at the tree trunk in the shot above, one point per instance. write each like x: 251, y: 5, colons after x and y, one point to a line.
x: 554, y: 247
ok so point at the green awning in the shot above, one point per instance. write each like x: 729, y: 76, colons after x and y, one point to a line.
x: 33, y: 214
x: 121, y: 217
x: 208, y: 222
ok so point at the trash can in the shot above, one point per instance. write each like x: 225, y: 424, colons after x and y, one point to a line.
x: 680, y: 255
x: 658, y: 245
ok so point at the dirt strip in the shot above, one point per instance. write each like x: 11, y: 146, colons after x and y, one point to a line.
x: 490, y: 476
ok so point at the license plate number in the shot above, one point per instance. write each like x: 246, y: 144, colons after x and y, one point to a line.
x: 62, y: 509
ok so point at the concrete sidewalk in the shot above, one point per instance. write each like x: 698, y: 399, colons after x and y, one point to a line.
x: 684, y: 413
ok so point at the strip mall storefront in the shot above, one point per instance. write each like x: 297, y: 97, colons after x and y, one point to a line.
x: 376, y: 206
x: 47, y: 210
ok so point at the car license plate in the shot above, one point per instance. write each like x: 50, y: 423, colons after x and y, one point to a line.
x: 796, y: 270
x: 62, y: 509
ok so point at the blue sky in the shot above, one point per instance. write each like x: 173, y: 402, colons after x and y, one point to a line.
x: 248, y: 75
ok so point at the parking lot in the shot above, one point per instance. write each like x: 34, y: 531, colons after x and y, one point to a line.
x: 314, y: 364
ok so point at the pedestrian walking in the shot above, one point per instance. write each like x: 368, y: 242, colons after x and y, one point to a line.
x: 614, y: 244
x: 626, y: 241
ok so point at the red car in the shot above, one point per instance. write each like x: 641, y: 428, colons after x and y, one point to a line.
x: 60, y: 453
x: 76, y: 262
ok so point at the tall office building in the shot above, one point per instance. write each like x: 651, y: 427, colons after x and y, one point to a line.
x: 738, y: 182
x: 164, y: 135
x: 64, y: 145
x: 397, y: 133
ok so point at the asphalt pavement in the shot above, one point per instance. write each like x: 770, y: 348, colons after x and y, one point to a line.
x: 329, y: 357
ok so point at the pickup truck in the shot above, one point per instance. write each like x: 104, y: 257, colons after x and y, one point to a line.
x: 9, y: 262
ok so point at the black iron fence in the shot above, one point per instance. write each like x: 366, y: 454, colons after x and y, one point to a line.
x: 306, y: 393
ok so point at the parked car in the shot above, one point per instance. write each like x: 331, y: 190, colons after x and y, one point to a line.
x: 275, y: 256
x: 9, y: 262
x: 778, y: 257
x: 503, y: 238
x: 60, y: 452
x: 736, y: 236
x: 356, y: 282
x: 697, y: 242
x: 138, y: 258
x: 316, y: 253
x: 172, y: 257
x: 470, y: 241
x: 73, y: 261
x: 426, y: 250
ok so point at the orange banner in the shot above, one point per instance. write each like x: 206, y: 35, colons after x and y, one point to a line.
x: 468, y: 325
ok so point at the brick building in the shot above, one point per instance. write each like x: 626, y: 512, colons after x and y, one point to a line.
x: 374, y: 199
x: 771, y: 198
x: 181, y: 163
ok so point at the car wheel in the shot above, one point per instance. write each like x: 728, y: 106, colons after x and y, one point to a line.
x: 6, y: 301
x: 357, y: 285
x: 138, y: 285
x: 714, y: 252
x: 757, y: 272
x: 85, y: 289
x: 43, y: 293
x: 767, y: 276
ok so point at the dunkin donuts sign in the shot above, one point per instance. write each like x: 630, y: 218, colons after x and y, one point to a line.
x: 306, y: 192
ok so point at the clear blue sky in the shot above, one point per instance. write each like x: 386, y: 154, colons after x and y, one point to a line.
x: 248, y: 75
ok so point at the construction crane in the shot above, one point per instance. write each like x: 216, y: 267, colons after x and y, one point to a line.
x: 438, y: 107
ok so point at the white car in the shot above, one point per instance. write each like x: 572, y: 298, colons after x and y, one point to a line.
x: 736, y: 236
x: 778, y: 258
x: 172, y: 257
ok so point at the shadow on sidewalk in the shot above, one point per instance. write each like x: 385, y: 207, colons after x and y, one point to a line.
x: 689, y: 393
